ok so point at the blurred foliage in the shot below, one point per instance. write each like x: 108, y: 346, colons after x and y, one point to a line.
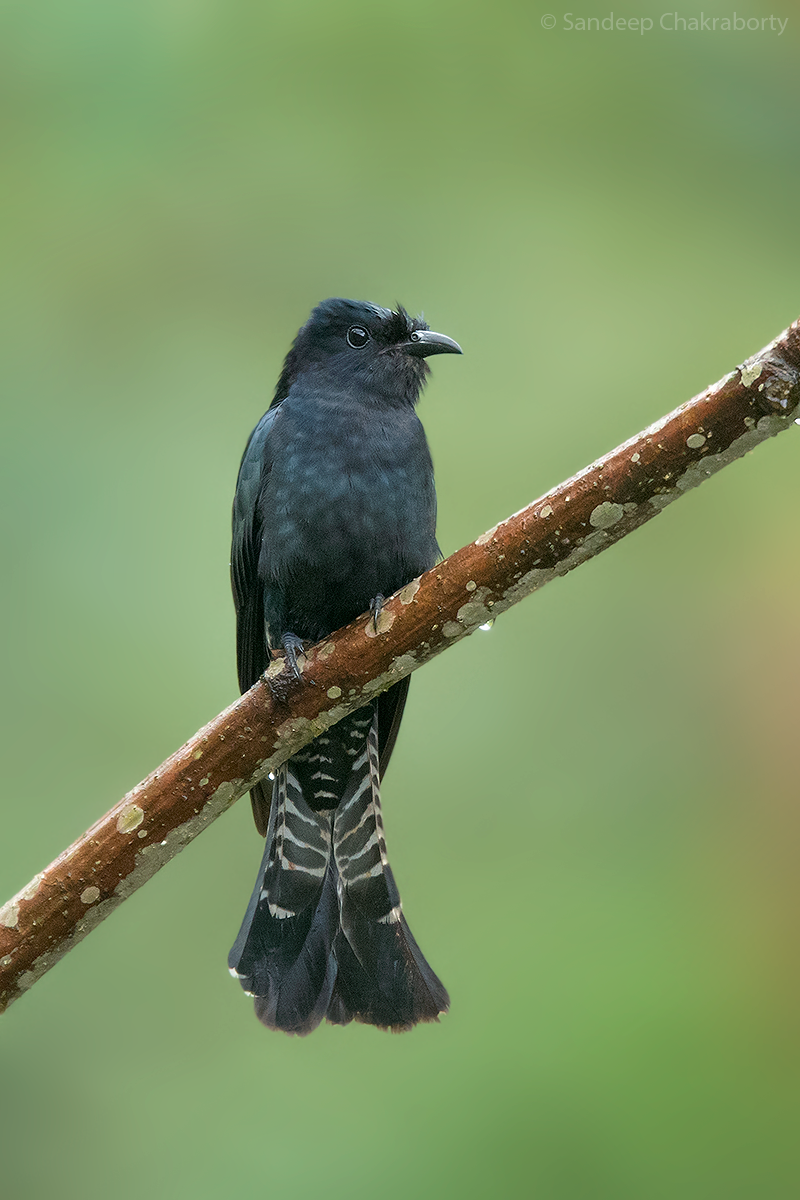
x: 593, y: 808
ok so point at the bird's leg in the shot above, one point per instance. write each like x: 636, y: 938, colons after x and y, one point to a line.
x: 293, y: 645
x: 376, y: 607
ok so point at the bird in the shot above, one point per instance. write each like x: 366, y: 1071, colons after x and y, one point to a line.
x: 334, y: 510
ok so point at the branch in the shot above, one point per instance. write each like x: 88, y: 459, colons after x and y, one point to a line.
x: 570, y: 524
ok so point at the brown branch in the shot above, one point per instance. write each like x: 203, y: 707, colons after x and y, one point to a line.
x: 570, y: 524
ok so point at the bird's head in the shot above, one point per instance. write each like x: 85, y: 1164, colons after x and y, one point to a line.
x: 354, y: 344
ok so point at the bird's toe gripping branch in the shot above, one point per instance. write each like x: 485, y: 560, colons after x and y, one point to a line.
x: 293, y: 646
x: 376, y: 608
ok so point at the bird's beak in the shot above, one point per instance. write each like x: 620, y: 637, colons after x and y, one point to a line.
x: 424, y: 342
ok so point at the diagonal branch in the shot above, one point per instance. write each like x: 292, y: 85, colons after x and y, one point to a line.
x: 564, y: 528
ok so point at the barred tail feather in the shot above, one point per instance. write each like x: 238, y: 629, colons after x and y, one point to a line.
x: 324, y: 934
x: 296, y: 998
x: 383, y: 977
x: 283, y: 954
x: 389, y: 984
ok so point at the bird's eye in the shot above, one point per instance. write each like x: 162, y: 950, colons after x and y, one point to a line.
x: 357, y: 336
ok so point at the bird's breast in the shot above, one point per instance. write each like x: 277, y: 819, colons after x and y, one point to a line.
x: 349, y: 509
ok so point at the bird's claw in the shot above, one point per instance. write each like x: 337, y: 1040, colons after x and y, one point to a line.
x: 293, y: 646
x: 376, y: 608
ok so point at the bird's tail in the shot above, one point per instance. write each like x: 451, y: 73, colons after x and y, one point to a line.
x: 324, y: 934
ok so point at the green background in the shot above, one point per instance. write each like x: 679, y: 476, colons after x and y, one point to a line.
x: 592, y: 811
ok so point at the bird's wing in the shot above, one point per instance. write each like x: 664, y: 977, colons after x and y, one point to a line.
x: 252, y: 651
x: 390, y: 714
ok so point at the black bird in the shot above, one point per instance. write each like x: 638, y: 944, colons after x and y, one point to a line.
x: 335, y: 509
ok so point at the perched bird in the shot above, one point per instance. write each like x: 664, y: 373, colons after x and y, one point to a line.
x: 335, y: 509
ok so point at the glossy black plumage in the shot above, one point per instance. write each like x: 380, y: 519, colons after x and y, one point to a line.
x: 335, y: 508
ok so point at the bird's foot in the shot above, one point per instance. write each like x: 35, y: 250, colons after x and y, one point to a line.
x: 376, y: 608
x: 293, y: 646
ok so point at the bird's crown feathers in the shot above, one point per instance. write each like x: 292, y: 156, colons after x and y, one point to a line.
x: 325, y: 334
